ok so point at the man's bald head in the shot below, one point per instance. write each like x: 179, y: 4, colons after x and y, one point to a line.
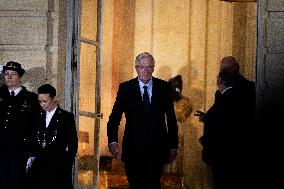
x: 229, y: 62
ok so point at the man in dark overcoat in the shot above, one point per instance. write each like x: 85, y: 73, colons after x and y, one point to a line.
x: 235, y: 108
x: 224, y: 128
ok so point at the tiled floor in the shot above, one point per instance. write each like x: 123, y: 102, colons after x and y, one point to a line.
x: 112, y: 176
x: 118, y: 180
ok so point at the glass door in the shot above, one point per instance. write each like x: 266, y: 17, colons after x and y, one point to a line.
x: 89, y: 77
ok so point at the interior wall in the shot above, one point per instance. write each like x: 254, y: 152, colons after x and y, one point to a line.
x: 244, y: 37
x: 107, y: 90
x: 123, y: 40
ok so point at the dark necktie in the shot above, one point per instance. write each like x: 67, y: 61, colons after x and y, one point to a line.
x: 146, y: 99
x: 12, y: 93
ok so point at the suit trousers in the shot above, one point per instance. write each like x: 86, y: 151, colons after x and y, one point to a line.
x: 144, y: 174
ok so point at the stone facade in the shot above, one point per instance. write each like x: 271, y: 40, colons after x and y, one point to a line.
x: 270, y: 56
x: 29, y: 35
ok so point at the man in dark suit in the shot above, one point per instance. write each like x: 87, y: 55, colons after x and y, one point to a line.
x: 56, y: 144
x: 225, y: 134
x: 149, y: 141
x: 240, y: 112
x: 17, y: 109
x: 244, y: 85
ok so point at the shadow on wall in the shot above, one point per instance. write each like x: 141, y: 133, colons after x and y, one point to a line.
x: 164, y: 72
x: 34, y: 78
x: 196, y: 173
x: 195, y: 93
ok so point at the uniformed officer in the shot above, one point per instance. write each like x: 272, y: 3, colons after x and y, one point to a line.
x: 56, y: 142
x: 17, y: 108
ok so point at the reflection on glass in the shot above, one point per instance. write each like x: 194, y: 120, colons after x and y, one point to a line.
x: 86, y: 150
x: 87, y: 91
x: 86, y: 104
x: 87, y: 78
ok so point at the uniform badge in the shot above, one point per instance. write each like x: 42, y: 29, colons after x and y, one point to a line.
x: 43, y: 144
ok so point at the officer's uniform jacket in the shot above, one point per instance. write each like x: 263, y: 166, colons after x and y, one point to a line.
x: 16, y: 122
x: 56, y: 148
x: 59, y: 139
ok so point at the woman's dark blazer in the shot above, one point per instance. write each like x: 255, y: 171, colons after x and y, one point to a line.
x: 52, y: 167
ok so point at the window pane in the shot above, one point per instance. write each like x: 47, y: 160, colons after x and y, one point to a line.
x: 86, y: 150
x: 89, y: 19
x: 87, y: 78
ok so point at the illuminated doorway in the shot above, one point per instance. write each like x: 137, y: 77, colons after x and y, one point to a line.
x: 87, y: 74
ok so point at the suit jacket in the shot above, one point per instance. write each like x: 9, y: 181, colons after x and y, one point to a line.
x: 55, y: 150
x: 224, y: 128
x: 147, y: 135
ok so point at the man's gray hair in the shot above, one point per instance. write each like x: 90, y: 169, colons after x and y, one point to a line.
x: 142, y: 56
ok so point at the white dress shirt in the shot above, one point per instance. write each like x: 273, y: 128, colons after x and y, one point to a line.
x: 16, y: 91
x: 49, y: 116
x: 149, y: 88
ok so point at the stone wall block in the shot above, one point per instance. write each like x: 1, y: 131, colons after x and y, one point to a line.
x: 23, y: 30
x: 275, y: 5
x: 275, y: 35
x: 24, y: 5
x: 274, y: 74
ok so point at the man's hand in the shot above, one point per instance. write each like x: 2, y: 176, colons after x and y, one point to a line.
x: 201, y: 115
x: 113, y: 148
x: 172, y: 155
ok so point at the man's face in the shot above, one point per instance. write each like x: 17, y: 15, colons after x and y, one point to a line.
x: 12, y: 79
x: 46, y: 102
x: 145, y: 70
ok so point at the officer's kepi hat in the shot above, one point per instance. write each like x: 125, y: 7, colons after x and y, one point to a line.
x: 14, y: 66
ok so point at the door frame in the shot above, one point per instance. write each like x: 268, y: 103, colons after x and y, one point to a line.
x: 72, y: 75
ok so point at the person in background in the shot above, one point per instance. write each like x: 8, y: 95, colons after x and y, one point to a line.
x: 247, y: 94
x: 17, y: 110
x: 56, y: 144
x: 227, y: 124
x: 223, y: 128
x: 150, y: 137
x: 245, y: 86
